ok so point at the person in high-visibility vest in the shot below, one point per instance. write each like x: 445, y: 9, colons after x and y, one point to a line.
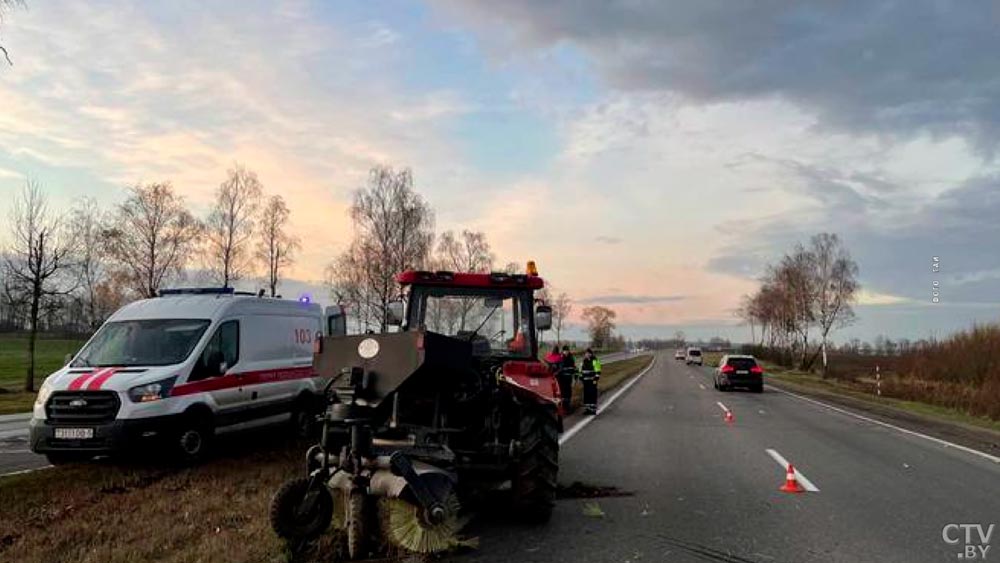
x: 590, y: 374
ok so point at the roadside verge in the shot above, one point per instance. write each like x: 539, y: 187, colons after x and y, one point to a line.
x: 983, y: 439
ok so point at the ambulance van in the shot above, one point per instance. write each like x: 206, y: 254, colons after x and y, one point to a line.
x: 176, y: 369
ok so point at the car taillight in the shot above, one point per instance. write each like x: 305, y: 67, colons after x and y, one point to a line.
x: 728, y: 369
x: 757, y: 369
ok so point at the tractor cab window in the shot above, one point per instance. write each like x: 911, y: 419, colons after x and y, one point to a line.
x: 495, y: 323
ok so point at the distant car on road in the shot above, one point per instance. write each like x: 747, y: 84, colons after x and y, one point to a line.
x: 679, y: 355
x: 739, y: 371
x: 693, y: 356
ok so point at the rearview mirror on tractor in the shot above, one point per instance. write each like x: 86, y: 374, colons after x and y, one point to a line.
x: 394, y: 313
x: 543, y: 317
x: 492, y: 302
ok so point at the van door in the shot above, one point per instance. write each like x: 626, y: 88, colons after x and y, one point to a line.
x: 218, y: 366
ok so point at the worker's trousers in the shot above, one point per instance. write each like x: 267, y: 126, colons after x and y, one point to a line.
x: 589, y: 392
x: 566, y: 388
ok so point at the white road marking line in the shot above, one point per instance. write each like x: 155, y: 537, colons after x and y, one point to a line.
x: 15, y: 451
x: 944, y: 443
x: 805, y: 482
x: 23, y: 471
x: 702, y: 386
x: 721, y: 406
x: 604, y: 405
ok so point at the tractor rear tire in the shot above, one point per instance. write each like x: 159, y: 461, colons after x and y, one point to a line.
x: 286, y: 519
x: 537, y: 467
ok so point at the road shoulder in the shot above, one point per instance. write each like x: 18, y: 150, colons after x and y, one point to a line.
x: 981, y: 439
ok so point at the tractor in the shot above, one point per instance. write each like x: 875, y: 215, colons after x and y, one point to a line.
x: 451, y: 406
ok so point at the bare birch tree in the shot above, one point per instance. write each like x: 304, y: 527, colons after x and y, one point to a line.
x: 229, y: 228
x: 39, y: 253
x: 393, y: 232
x: 152, y: 237
x: 276, y: 247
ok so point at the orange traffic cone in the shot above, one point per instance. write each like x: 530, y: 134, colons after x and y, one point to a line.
x: 729, y: 417
x: 791, y: 484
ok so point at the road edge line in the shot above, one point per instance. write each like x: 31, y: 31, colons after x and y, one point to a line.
x: 605, y: 404
x: 938, y: 441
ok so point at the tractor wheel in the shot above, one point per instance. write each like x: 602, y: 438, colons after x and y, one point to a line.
x: 536, y: 469
x: 288, y: 519
x: 355, y: 524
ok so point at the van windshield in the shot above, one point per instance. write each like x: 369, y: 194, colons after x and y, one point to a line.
x: 152, y: 342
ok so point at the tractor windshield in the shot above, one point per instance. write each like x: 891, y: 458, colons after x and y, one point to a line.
x: 496, y: 322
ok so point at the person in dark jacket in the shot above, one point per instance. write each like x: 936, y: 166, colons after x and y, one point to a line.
x: 567, y: 373
x: 590, y: 374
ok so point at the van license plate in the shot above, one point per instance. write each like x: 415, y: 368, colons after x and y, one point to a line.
x: 74, y: 433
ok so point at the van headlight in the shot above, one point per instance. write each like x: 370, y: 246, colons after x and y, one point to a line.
x: 152, y: 391
x: 43, y: 394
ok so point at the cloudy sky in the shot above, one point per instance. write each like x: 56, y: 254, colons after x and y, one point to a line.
x: 652, y: 156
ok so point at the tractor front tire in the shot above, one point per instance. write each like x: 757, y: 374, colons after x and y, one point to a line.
x: 287, y: 518
x: 537, y: 467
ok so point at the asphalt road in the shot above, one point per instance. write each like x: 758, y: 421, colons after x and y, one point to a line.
x: 15, y: 455
x: 704, y: 490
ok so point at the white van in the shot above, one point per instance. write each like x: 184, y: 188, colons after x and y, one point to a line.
x: 693, y: 356
x: 176, y: 368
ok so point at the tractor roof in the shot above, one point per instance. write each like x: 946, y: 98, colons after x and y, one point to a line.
x: 457, y: 279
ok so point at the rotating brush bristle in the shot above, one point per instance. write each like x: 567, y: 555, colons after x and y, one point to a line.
x: 405, y: 529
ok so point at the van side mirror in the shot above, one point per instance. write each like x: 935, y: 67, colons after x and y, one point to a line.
x: 543, y: 317
x: 394, y: 313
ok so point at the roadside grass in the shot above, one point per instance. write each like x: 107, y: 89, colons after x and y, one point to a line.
x: 612, y: 375
x: 712, y: 359
x: 864, y: 390
x: 103, y: 512
x: 49, y: 356
x: 106, y: 512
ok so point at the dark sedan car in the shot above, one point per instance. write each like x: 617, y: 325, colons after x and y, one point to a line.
x: 739, y: 371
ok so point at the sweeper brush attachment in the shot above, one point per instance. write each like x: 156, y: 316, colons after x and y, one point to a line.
x: 406, y: 528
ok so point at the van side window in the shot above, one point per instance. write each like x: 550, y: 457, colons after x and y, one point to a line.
x: 224, y: 347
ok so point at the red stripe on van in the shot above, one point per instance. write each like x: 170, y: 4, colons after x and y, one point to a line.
x: 80, y: 381
x: 243, y: 379
x: 99, y: 380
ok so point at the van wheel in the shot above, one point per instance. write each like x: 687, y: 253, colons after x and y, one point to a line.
x: 193, y: 440
x: 64, y: 458
x: 303, y: 420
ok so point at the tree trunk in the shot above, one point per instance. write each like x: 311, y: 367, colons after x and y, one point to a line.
x: 29, y: 378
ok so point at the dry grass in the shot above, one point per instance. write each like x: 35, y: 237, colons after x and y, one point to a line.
x: 104, y: 513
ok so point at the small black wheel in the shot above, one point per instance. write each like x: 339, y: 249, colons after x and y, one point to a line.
x: 65, y: 458
x: 299, y: 514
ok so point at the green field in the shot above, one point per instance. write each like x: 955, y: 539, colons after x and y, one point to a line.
x: 49, y: 356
